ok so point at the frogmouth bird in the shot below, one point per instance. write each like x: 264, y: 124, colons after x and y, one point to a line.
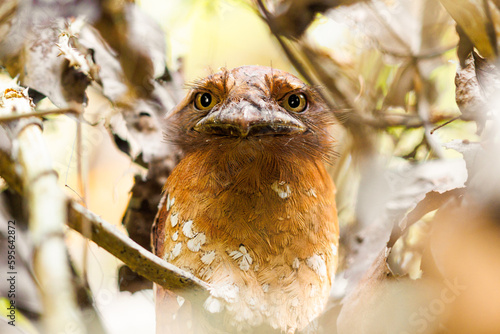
x: 250, y: 208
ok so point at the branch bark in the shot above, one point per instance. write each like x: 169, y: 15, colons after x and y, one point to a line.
x: 47, y: 214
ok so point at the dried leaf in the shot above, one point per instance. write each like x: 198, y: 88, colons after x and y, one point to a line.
x: 40, y: 67
x: 483, y: 162
x: 385, y: 198
x: 292, y: 17
x: 476, y: 85
x: 400, y: 28
x: 480, y: 20
x: 138, y: 43
x: 140, y: 124
x: 137, y: 121
x: 402, y: 84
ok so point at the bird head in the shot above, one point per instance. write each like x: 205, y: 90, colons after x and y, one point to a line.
x: 252, y: 108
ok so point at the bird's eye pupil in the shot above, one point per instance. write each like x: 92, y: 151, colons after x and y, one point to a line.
x: 294, y: 101
x: 206, y: 100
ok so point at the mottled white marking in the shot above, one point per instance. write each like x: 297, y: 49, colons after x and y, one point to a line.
x: 208, y: 257
x: 187, y: 229
x: 311, y: 192
x: 296, y: 263
x: 282, y: 189
x: 334, y: 249
x: 176, y: 251
x: 317, y: 264
x: 195, y: 244
x: 246, y: 259
x: 213, y: 305
x: 180, y: 300
x: 174, y: 218
x: 170, y: 202
x: 256, y: 267
x: 252, y: 301
x: 265, y: 287
x: 175, y: 236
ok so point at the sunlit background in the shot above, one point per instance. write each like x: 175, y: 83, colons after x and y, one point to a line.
x: 202, y: 36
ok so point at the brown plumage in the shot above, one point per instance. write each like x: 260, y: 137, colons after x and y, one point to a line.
x: 250, y: 208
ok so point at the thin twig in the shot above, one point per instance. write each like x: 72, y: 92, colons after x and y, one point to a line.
x: 428, y: 55
x: 389, y: 28
x: 385, y: 120
x: 423, y: 110
x: 40, y: 113
x: 289, y: 53
x: 444, y: 124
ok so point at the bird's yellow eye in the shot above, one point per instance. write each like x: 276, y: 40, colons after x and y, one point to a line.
x: 204, y: 101
x: 295, y: 102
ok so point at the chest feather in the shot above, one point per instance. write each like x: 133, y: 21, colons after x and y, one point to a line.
x: 265, y: 239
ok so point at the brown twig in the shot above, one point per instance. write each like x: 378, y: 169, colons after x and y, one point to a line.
x: 432, y: 201
x: 385, y: 120
x: 40, y: 113
x: 444, y: 124
x: 389, y: 28
x: 423, y: 110
x: 423, y: 56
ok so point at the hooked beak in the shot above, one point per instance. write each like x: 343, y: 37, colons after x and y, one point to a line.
x: 244, y: 119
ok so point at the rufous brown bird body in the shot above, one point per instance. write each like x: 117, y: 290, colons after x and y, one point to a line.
x: 250, y: 209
